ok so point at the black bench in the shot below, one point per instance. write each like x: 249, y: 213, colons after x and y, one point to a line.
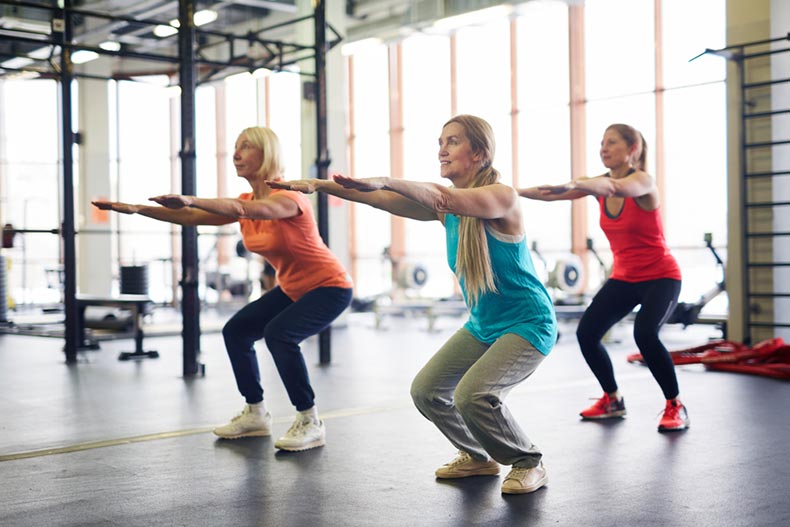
x: 137, y: 304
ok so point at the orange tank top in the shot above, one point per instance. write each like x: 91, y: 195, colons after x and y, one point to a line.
x: 295, y: 249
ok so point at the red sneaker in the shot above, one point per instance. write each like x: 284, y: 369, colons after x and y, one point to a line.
x: 675, y: 417
x: 605, y: 408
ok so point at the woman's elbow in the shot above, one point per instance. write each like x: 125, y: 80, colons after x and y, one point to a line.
x: 242, y: 211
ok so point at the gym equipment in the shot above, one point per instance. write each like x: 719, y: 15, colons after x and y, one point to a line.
x: 565, y: 279
x: 139, y: 305
x: 8, y: 236
x: 404, y: 299
x: 769, y: 358
x: 690, y: 313
x: 134, y: 280
x: 230, y: 290
x: 568, y: 275
x: 411, y: 276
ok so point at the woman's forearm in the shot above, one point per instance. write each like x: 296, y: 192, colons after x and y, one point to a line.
x: 429, y: 195
x: 552, y: 193
x: 383, y: 199
x: 179, y: 217
x: 597, y: 186
x: 230, y: 207
x: 184, y: 215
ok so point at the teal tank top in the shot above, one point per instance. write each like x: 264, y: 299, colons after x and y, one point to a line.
x: 521, y: 306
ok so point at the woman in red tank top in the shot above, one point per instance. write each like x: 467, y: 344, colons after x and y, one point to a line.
x: 644, y: 272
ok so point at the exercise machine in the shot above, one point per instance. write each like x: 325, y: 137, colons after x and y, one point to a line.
x: 688, y: 313
x: 566, y: 281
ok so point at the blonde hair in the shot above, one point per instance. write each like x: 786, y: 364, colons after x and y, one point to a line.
x: 266, y: 140
x: 473, y: 261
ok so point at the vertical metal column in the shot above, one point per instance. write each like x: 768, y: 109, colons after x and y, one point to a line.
x: 745, y: 276
x: 322, y: 159
x: 62, y: 26
x: 190, y: 302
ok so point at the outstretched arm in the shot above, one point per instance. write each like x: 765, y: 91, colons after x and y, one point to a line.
x: 180, y: 216
x: 566, y: 191
x: 388, y: 201
x: 274, y: 207
x: 632, y: 186
x: 489, y: 202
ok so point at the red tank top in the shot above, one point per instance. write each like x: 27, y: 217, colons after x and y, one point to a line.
x: 638, y: 245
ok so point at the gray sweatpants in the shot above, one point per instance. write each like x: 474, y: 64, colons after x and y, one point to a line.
x: 461, y: 390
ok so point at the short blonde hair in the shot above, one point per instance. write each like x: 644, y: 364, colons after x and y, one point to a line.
x: 267, y: 141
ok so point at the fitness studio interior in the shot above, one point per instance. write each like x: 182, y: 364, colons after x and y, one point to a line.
x: 128, y: 346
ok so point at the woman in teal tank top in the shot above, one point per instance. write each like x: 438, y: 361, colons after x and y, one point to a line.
x: 511, y: 327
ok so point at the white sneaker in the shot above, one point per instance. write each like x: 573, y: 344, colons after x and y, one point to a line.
x: 249, y: 423
x: 525, y: 480
x: 463, y: 465
x: 305, y: 433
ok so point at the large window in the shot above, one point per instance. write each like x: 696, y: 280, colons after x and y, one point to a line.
x: 695, y: 142
x: 544, y: 122
x: 144, y: 170
x: 685, y: 38
x: 30, y: 155
x: 623, y: 83
x: 284, y: 109
x: 619, y: 47
x: 206, y: 141
x: 426, y: 107
x: 372, y: 159
x: 483, y: 83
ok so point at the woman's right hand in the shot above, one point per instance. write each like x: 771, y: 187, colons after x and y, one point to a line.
x: 116, y: 206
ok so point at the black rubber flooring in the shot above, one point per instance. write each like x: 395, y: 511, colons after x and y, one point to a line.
x: 109, y: 443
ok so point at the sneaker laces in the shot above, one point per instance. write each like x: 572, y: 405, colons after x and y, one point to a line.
x: 241, y: 414
x: 602, y: 402
x: 671, y: 411
x: 518, y: 473
x: 298, y: 426
x: 460, y: 458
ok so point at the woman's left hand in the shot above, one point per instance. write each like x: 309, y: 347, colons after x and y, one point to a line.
x: 173, y: 201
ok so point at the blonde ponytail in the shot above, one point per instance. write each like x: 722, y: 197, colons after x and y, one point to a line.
x: 473, y: 261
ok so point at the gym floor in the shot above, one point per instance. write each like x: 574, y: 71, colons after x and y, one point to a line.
x: 105, y: 443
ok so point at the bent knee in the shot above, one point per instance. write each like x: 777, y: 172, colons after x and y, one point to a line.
x: 586, y: 335
x: 469, y: 400
x: 230, y: 330
x: 418, y: 392
x: 645, y: 338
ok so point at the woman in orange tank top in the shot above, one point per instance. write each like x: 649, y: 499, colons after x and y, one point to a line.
x: 644, y: 272
x: 313, y: 288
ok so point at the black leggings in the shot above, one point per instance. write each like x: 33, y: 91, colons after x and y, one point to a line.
x: 613, y: 302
